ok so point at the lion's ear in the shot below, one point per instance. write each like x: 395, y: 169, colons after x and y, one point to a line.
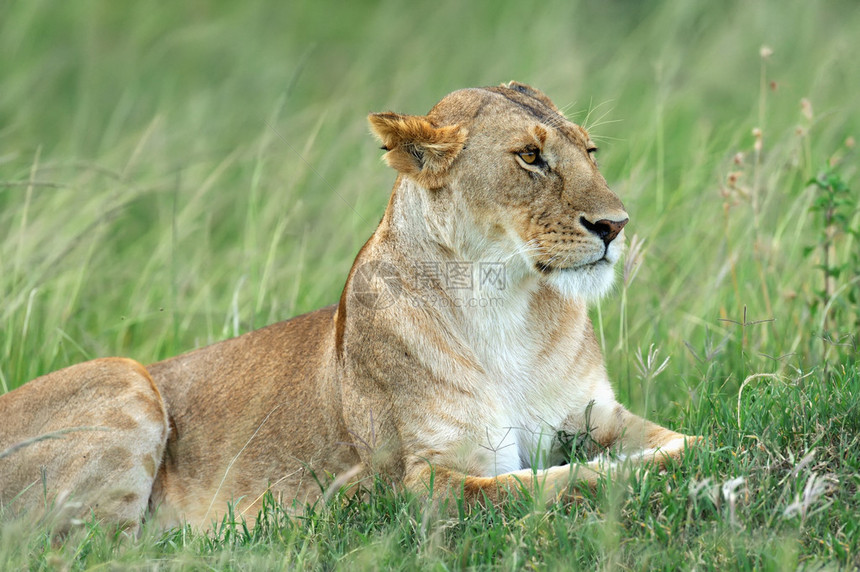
x: 416, y: 148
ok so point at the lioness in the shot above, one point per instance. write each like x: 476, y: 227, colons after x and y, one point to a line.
x: 459, y: 352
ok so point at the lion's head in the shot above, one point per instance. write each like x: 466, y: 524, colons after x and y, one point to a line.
x: 501, y: 175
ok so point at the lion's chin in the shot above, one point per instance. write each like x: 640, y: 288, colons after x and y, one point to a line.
x: 588, y: 282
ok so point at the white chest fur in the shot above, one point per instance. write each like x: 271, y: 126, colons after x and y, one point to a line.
x: 529, y: 385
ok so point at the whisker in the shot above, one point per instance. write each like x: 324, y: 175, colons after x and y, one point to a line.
x: 563, y: 110
x: 528, y: 247
x: 598, y: 138
x: 587, y: 124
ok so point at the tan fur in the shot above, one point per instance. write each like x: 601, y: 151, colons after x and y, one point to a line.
x: 91, y: 436
x: 460, y: 387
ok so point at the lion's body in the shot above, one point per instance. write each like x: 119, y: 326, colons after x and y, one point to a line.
x: 417, y: 374
x: 281, y: 417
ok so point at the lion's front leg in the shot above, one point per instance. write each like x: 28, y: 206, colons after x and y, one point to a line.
x: 612, y: 427
x: 546, y: 485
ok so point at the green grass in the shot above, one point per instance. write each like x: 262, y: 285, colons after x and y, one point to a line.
x: 169, y: 178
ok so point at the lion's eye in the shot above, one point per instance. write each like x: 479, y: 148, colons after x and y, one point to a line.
x: 529, y: 157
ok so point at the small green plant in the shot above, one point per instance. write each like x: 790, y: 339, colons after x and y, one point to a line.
x: 836, y: 301
x: 581, y: 446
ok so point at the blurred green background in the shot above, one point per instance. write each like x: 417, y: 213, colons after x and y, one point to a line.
x: 174, y: 175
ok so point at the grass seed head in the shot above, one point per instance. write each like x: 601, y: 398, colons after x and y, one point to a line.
x: 806, y: 108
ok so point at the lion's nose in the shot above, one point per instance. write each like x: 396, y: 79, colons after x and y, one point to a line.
x: 605, y: 229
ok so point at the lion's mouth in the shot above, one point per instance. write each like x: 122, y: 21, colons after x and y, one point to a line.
x: 546, y: 268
